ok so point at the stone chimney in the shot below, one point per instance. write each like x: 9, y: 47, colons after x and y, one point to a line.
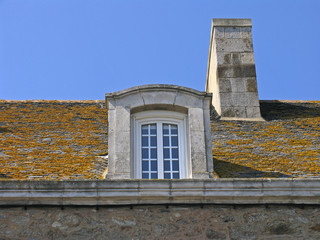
x: 231, y: 75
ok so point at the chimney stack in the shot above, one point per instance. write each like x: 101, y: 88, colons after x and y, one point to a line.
x: 231, y: 75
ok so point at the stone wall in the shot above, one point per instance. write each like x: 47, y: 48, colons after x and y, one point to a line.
x: 162, y: 222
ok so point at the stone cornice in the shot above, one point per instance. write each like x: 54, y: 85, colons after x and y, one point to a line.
x: 135, y: 192
x: 157, y: 87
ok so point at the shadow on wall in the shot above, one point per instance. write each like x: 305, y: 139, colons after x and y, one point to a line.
x: 230, y: 170
x: 277, y: 110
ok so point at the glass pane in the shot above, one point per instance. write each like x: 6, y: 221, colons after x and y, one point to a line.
x: 144, y: 129
x: 145, y: 153
x: 145, y: 176
x: 153, y: 141
x: 145, y: 141
x: 174, y: 129
x: 166, y: 166
x: 165, y: 141
x: 167, y: 176
x: 145, y: 165
x: 153, y: 165
x: 153, y: 153
x: 154, y: 176
x: 175, y: 153
x: 176, y: 176
x: 153, y: 129
x: 174, y: 141
x: 166, y: 153
x: 175, y: 165
x: 165, y: 129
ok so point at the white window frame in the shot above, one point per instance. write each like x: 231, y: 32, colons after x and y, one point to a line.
x: 159, y: 118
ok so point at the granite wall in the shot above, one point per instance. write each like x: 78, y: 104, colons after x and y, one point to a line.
x: 162, y: 222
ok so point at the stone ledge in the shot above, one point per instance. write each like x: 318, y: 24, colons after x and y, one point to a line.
x: 135, y: 192
x: 231, y: 22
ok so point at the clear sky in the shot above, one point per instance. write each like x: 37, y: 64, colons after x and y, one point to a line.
x: 81, y: 49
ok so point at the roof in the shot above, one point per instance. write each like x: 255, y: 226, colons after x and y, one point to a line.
x: 53, y: 139
x: 68, y: 140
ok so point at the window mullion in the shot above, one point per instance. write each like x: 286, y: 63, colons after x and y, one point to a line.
x: 160, y: 150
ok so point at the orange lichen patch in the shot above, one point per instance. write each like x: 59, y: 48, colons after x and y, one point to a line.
x: 52, y: 139
x: 286, y: 145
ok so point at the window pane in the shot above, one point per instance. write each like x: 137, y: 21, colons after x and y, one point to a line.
x: 166, y: 153
x: 149, y: 151
x: 175, y: 153
x: 145, y: 153
x: 175, y: 165
x: 153, y: 141
x: 145, y: 165
x: 145, y: 176
x: 153, y: 129
x: 174, y: 129
x: 144, y: 129
x: 153, y: 153
x: 165, y: 129
x: 154, y: 166
x: 174, y: 141
x: 176, y: 176
x: 166, y: 166
x: 165, y: 141
x: 145, y: 141
x: 167, y: 176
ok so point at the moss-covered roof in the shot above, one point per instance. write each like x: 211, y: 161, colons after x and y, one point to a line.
x: 53, y: 139
x: 68, y: 140
x: 287, y: 144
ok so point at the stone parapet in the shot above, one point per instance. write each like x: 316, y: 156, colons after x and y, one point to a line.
x: 137, y: 192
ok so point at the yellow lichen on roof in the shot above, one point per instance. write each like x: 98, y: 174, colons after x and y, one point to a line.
x: 286, y: 145
x: 52, y: 139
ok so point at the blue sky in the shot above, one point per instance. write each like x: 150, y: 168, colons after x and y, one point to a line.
x: 81, y: 49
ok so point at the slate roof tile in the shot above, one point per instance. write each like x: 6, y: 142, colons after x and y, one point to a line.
x: 68, y: 140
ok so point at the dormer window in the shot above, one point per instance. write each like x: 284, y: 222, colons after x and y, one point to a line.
x: 159, y: 132
x: 160, y: 148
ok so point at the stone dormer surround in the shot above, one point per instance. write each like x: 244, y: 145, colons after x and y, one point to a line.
x: 123, y: 104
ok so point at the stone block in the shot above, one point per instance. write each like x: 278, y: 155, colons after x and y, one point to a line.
x: 122, y: 141
x: 223, y: 58
x: 225, y: 85
x: 238, y: 84
x: 237, y: 71
x: 234, y: 45
x: 122, y: 162
x: 111, y: 104
x: 238, y: 112
x: 187, y: 101
x: 253, y: 112
x: 195, y: 119
x: 158, y: 97
x: 197, y: 141
x: 251, y: 85
x: 232, y: 32
x: 239, y: 99
x: 218, y: 32
x: 130, y: 101
x: 235, y: 58
x: 247, y: 58
x: 245, y: 32
x: 198, y: 163
x: 122, y: 119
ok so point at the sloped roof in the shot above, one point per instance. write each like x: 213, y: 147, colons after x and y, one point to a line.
x: 287, y: 144
x: 68, y: 140
x: 53, y: 139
